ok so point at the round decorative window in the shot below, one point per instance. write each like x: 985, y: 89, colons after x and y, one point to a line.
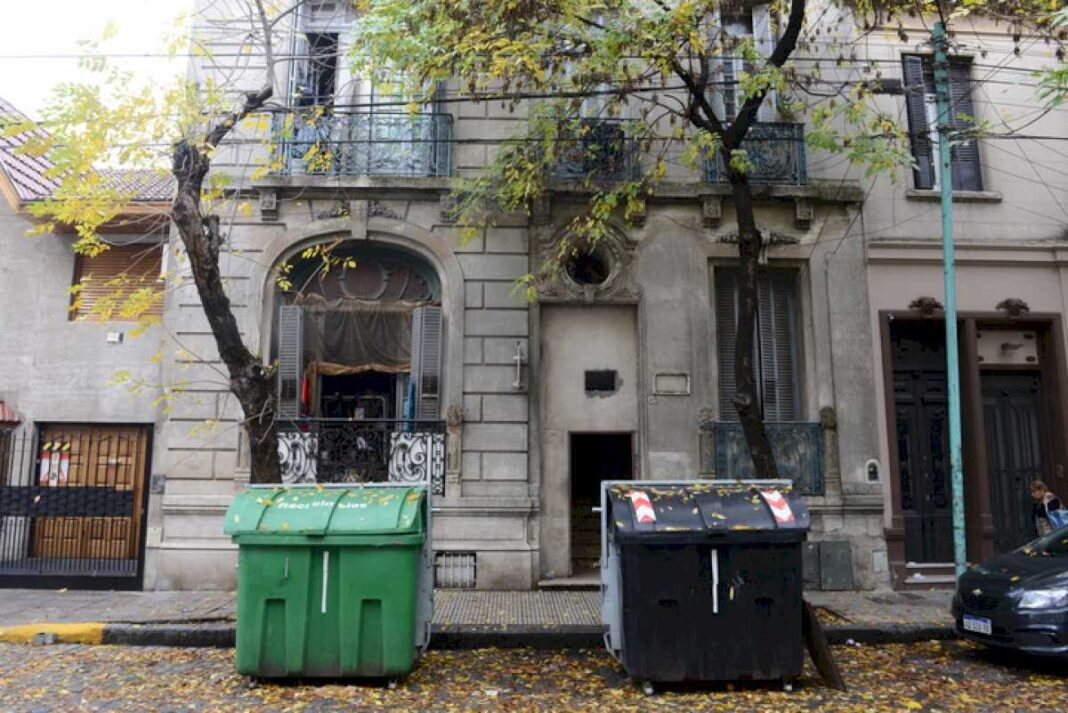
x: 589, y: 267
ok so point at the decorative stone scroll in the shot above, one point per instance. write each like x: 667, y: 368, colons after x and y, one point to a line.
x: 418, y: 458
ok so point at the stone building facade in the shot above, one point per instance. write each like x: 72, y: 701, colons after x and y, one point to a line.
x: 614, y: 370
x: 1009, y: 197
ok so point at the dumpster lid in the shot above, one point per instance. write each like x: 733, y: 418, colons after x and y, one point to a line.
x: 318, y: 510
x: 706, y: 507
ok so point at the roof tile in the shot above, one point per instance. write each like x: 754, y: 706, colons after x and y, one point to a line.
x: 27, y: 173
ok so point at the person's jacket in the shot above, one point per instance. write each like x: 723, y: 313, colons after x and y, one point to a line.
x: 1041, y: 513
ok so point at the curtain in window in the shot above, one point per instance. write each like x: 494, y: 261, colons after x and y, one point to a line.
x: 346, y: 336
x: 775, y: 344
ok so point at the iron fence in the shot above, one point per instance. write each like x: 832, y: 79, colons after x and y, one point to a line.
x: 329, y: 450
x: 797, y: 447
x: 598, y: 149
x: 775, y: 154
x: 72, y: 506
x: 327, y: 142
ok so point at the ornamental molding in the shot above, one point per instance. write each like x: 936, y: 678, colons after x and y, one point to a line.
x: 616, y: 248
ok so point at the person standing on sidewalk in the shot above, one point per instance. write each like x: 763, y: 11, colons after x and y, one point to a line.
x: 1048, y: 512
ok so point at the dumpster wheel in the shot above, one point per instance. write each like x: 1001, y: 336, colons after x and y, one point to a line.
x: 647, y: 688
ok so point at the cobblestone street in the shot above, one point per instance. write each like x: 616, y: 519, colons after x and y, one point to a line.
x: 947, y: 675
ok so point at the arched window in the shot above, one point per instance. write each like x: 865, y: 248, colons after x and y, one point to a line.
x: 358, y: 335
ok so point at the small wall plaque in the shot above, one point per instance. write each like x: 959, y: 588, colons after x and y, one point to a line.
x: 671, y: 383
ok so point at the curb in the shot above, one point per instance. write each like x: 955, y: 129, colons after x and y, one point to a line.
x: 445, y: 637
x: 51, y: 633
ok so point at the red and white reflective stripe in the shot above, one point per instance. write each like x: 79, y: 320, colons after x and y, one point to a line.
x: 643, y: 507
x: 779, y: 507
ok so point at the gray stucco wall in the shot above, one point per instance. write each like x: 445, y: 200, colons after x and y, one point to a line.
x: 52, y: 368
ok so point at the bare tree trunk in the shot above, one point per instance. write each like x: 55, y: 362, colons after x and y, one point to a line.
x: 251, y: 381
x: 746, y: 400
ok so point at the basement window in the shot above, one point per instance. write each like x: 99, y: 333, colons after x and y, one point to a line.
x: 455, y: 570
x: 601, y: 381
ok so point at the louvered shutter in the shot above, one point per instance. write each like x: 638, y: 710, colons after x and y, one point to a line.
x: 290, y: 360
x: 726, y: 330
x: 777, y: 332
x: 966, y: 171
x: 919, y: 130
x: 763, y: 33
x: 427, y: 335
x: 299, y: 71
x: 108, y: 280
x: 775, y: 343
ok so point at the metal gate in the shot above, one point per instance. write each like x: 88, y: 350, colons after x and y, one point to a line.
x: 72, y: 505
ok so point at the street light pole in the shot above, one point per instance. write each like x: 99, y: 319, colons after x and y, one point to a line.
x: 945, y: 179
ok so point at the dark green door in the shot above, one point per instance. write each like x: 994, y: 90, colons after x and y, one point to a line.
x: 922, y: 432
x: 1012, y: 411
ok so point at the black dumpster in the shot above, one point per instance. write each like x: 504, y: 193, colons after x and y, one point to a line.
x: 701, y: 580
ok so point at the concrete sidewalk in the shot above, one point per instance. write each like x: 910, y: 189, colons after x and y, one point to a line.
x: 462, y: 619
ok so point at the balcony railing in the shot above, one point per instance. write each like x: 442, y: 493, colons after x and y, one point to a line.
x: 364, y: 144
x: 362, y: 451
x: 775, y: 154
x: 598, y: 149
x: 797, y: 447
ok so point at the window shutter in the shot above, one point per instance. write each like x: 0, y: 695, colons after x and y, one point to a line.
x: 966, y: 171
x: 427, y: 333
x: 777, y: 333
x: 762, y: 38
x: 726, y: 329
x: 290, y: 360
x: 916, y: 107
x: 109, y: 279
x: 299, y: 71
x: 715, y: 65
x: 775, y: 343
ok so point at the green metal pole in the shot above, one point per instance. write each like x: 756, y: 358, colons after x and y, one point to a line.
x: 945, y: 180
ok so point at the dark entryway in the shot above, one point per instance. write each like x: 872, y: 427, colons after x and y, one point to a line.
x: 1012, y: 415
x: 922, y: 432
x: 594, y: 457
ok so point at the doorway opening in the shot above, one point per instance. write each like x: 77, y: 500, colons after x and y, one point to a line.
x: 594, y: 457
x: 366, y: 395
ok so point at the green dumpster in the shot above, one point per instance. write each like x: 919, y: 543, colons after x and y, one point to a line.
x: 332, y: 581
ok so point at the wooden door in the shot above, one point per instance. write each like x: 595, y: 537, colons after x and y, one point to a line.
x: 1012, y: 414
x: 99, y: 491
x: 922, y: 431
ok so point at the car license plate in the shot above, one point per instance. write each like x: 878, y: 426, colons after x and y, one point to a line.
x: 978, y: 625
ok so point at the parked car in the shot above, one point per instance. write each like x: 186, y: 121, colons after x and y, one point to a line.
x: 1018, y: 600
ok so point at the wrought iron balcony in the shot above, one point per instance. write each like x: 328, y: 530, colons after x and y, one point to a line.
x: 797, y: 446
x: 775, y: 152
x: 598, y: 149
x: 364, y: 143
x: 326, y: 450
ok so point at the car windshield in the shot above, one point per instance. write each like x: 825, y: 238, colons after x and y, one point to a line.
x: 1055, y: 544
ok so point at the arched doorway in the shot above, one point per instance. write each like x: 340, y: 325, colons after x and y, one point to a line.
x: 358, y: 341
